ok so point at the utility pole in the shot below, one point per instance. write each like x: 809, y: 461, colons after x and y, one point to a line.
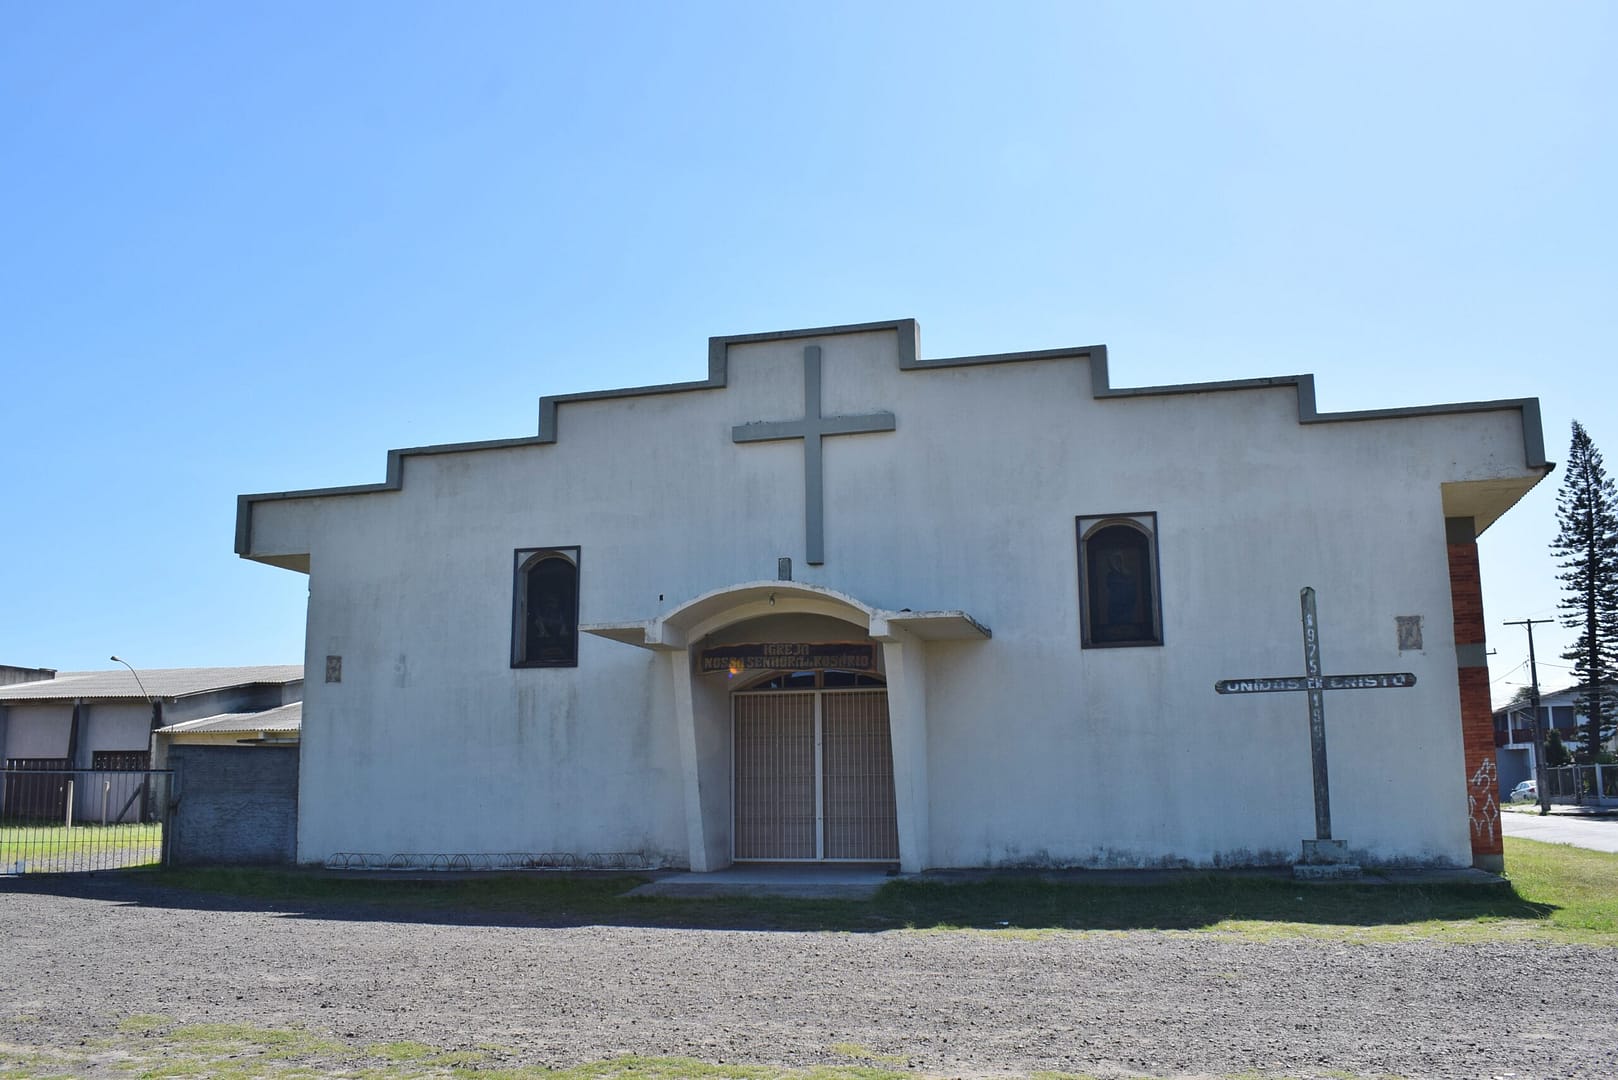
x: 1539, y: 727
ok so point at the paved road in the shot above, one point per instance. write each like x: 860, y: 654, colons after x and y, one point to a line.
x: 1596, y: 833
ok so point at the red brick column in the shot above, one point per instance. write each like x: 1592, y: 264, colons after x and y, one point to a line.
x: 1477, y: 718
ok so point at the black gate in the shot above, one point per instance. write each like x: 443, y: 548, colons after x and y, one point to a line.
x: 35, y: 788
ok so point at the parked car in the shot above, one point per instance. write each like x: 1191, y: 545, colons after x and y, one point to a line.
x: 1528, y: 789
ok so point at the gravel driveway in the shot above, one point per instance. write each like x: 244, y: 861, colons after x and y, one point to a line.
x: 1146, y: 1002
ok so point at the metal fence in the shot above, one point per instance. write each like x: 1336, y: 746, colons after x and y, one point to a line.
x: 58, y: 820
x: 1593, y: 785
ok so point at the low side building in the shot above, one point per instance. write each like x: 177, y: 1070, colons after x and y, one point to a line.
x: 105, y: 720
x: 235, y: 793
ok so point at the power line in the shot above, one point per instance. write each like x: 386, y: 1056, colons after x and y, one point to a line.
x: 1509, y: 672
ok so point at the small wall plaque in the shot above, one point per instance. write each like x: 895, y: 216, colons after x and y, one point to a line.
x: 1409, y: 627
x: 334, y: 669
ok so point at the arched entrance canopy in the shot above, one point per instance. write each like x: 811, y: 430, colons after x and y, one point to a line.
x: 678, y: 627
x: 701, y: 711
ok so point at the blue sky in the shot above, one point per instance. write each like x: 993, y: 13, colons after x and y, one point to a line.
x: 251, y: 247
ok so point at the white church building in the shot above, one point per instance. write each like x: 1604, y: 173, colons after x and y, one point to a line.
x: 839, y: 601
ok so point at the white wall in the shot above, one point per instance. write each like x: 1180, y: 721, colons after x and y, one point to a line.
x: 113, y: 726
x: 1038, y: 751
x: 38, y: 731
x: 41, y: 731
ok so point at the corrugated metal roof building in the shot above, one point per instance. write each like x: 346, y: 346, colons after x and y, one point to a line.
x: 167, y: 683
x: 280, y: 725
x: 90, y: 719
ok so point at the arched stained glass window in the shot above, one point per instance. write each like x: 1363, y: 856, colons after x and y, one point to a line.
x: 1119, y: 602
x: 546, y: 623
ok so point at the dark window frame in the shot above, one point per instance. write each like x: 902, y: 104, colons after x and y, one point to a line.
x: 1086, y: 527
x: 120, y: 760
x: 524, y: 561
x: 857, y: 680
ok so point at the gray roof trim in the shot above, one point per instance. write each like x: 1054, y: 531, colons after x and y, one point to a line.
x: 909, y: 334
x: 1533, y: 432
x: 1101, y: 387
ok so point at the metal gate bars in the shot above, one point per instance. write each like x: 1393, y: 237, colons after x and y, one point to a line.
x: 57, y: 820
x: 814, y: 776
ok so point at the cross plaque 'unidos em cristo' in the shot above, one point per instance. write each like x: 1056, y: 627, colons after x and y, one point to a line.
x: 1316, y: 685
x: 811, y: 429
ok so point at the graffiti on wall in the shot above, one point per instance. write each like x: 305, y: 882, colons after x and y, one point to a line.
x: 1480, y: 802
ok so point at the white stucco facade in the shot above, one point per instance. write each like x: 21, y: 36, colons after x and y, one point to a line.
x: 949, y: 542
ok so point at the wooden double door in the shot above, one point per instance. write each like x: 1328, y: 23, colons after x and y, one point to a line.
x: 814, y: 776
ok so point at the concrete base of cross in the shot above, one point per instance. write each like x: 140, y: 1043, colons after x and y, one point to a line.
x: 1325, y: 860
x: 1326, y: 872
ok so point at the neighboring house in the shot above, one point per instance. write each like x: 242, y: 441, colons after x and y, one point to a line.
x: 1514, y: 733
x: 749, y: 617
x: 106, y: 720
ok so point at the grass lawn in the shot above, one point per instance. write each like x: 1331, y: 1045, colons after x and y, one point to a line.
x: 154, y: 1046
x: 1555, y: 894
x: 82, y: 847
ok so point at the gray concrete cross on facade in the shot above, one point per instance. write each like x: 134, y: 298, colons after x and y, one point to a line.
x: 1315, y: 685
x: 812, y: 429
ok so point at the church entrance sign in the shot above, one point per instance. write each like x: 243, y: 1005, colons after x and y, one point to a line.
x: 1315, y: 685
x: 787, y: 656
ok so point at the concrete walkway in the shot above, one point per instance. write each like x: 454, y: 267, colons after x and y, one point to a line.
x: 859, y: 881
x: 822, y: 881
x: 1562, y: 809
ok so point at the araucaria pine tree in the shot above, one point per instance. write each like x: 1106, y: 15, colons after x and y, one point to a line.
x: 1587, y: 549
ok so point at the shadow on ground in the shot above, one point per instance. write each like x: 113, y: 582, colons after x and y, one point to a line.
x: 999, y: 903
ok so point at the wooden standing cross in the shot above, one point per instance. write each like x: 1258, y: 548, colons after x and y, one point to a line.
x: 1316, y: 685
